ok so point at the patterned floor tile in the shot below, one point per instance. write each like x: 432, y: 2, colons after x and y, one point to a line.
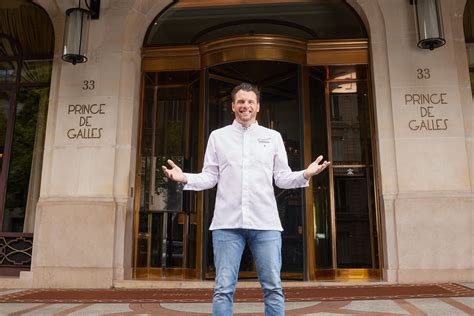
x: 435, y: 307
x: 238, y: 307
x: 379, y: 306
x: 103, y: 309
x: 468, y: 301
x: 9, y: 308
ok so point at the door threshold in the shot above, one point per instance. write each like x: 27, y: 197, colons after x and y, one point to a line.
x: 209, y: 284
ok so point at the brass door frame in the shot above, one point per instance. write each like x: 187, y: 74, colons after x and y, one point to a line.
x: 357, y: 274
x: 256, y: 47
x: 276, y: 48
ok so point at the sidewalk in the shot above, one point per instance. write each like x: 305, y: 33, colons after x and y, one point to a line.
x: 393, y: 300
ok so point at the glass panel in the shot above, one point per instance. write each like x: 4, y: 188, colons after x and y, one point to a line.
x: 142, y: 252
x: 144, y: 193
x: 320, y: 183
x: 168, y: 132
x: 36, y: 71
x: 157, y: 240
x: 191, y: 234
x: 24, y: 176
x: 308, y: 20
x: 352, y: 218
x: 279, y: 110
x: 373, y: 210
x: 167, y: 240
x: 7, y: 48
x: 164, y: 195
x: 350, y: 125
x: 348, y: 72
x: 4, y: 110
x: 8, y: 71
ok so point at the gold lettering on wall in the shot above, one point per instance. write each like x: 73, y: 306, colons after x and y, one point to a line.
x: 86, y: 114
x: 427, y: 104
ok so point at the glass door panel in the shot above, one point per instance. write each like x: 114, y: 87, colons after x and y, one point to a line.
x: 279, y: 110
x: 320, y: 183
x: 350, y: 125
x: 167, y: 226
x: 352, y: 218
x: 344, y: 197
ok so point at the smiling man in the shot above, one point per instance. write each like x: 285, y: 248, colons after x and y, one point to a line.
x: 243, y: 159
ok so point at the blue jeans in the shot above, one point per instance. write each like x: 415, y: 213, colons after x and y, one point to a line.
x: 266, y: 249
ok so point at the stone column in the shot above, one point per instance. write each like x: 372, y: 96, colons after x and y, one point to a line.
x: 84, y: 221
x: 424, y: 129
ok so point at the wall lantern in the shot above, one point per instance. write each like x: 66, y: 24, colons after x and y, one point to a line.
x: 429, y: 23
x: 76, y: 31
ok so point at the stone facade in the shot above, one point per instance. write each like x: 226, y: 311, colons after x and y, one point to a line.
x: 84, y: 221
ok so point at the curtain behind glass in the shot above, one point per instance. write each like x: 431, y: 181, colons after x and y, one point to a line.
x: 30, y: 25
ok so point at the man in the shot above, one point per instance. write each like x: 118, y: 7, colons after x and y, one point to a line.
x: 244, y: 158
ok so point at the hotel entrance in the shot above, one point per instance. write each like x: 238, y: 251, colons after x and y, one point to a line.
x: 315, y: 92
x: 279, y: 109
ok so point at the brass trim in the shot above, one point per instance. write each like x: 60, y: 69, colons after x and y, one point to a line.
x: 256, y: 47
x: 340, y: 44
x: 292, y: 275
x: 351, y: 166
x: 171, y: 58
x: 332, y: 206
x: 356, y: 275
x: 337, y: 52
x: 165, y: 274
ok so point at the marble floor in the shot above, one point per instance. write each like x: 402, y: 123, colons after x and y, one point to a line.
x: 443, y: 306
x: 419, y: 306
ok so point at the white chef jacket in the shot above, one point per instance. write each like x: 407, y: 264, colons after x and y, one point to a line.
x: 243, y: 162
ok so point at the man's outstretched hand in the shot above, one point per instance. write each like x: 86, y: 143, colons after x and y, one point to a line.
x: 314, y: 168
x: 175, y: 173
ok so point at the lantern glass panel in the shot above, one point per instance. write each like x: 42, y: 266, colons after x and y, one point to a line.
x: 76, y: 35
x: 429, y: 24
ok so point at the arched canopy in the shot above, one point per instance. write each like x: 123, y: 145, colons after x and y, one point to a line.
x: 189, y: 22
x: 28, y: 28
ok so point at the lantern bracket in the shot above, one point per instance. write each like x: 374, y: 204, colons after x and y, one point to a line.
x: 94, y: 8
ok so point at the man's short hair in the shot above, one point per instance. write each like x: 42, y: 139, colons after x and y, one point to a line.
x: 245, y: 86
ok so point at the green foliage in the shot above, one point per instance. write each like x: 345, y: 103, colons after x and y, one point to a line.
x: 22, y: 149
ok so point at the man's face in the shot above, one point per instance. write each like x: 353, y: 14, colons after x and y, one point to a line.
x: 245, y: 107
